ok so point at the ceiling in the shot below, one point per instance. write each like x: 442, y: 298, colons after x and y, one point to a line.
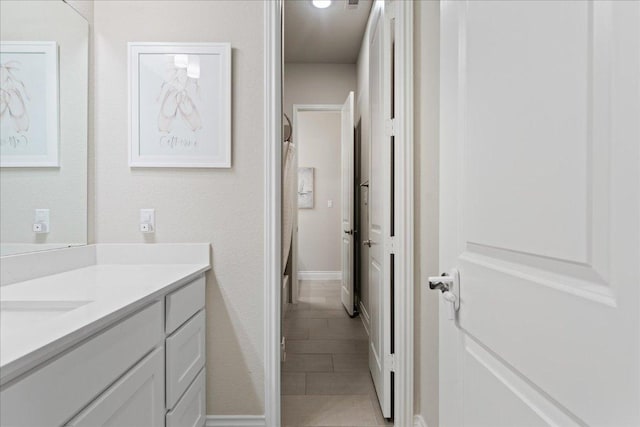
x: 331, y: 36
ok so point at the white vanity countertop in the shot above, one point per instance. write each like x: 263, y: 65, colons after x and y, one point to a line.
x: 86, y: 299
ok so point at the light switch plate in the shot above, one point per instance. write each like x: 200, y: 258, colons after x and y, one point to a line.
x: 147, y: 220
x: 41, y: 221
x: 330, y: 203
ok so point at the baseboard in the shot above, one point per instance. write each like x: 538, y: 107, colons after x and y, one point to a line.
x: 418, y: 421
x: 364, y: 316
x: 235, y: 421
x: 320, y: 275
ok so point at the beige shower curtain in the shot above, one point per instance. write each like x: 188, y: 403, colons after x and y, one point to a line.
x: 288, y: 199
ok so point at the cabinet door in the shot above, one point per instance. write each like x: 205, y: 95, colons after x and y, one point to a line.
x: 54, y: 392
x: 185, y: 357
x: 136, y: 399
x: 190, y: 409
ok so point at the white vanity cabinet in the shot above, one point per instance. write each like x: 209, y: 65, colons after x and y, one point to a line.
x: 134, y: 400
x: 185, y: 356
x: 146, y: 369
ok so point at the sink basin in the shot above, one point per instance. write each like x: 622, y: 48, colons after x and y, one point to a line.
x: 26, y: 314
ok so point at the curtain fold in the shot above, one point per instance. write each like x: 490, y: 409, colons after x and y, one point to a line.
x: 288, y: 199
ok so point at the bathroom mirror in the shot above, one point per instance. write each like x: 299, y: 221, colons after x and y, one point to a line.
x: 43, y: 126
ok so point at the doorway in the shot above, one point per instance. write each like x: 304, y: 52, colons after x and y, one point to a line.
x: 325, y: 375
x: 392, y: 353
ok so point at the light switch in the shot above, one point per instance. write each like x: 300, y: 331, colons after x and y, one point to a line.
x: 330, y: 203
x: 41, y: 222
x: 147, y: 220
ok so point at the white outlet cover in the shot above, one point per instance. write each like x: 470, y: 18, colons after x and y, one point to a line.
x: 147, y: 218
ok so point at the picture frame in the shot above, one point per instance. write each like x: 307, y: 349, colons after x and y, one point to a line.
x: 180, y: 105
x: 29, y: 129
x: 305, y: 187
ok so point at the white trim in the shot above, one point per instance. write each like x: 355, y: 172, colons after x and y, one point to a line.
x: 272, y: 208
x: 320, y: 275
x: 418, y: 421
x: 364, y: 316
x: 298, y: 108
x: 403, y: 393
x: 235, y: 421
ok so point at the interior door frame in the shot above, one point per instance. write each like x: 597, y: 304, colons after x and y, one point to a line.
x: 402, y: 12
x: 297, y: 109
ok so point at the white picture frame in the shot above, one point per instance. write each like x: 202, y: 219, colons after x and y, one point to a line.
x: 180, y: 105
x: 305, y: 187
x: 29, y: 129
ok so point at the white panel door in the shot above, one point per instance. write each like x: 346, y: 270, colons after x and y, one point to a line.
x: 540, y: 213
x: 379, y: 223
x: 347, y: 127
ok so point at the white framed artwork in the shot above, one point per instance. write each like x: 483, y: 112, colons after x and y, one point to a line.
x: 180, y: 105
x: 29, y: 113
x: 305, y: 188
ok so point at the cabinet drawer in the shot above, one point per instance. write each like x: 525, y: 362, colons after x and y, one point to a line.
x: 185, y: 357
x: 184, y: 303
x: 190, y: 410
x: 136, y: 399
x: 62, y: 387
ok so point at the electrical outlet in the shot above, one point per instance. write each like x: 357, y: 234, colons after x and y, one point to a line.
x: 41, y: 222
x: 147, y: 220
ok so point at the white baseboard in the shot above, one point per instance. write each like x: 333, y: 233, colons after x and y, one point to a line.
x: 418, y: 421
x: 320, y: 275
x: 235, y: 421
x: 364, y: 316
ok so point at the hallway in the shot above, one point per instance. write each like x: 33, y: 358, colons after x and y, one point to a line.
x: 325, y: 379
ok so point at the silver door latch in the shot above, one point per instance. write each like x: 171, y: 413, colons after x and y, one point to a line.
x: 449, y: 285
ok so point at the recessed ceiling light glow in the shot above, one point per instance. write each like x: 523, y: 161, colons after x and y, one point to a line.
x: 321, y: 4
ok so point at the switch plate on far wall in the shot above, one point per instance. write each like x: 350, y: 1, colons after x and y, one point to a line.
x: 41, y: 222
x: 147, y: 220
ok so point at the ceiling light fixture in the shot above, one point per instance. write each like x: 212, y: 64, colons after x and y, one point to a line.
x: 321, y: 4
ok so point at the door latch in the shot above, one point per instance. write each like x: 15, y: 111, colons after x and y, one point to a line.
x: 449, y: 285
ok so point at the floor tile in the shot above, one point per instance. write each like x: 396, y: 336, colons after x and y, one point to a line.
x: 307, y: 363
x: 332, y: 383
x: 327, y: 346
x: 293, y: 383
x: 295, y: 333
x: 326, y: 380
x: 351, y: 362
x: 306, y: 323
x: 341, y: 410
x: 314, y: 314
x: 330, y: 333
x: 346, y: 322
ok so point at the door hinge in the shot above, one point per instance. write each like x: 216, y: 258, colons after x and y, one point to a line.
x: 390, y: 127
x: 390, y: 362
x: 390, y: 245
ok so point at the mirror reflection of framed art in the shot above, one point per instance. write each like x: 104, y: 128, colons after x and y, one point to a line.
x: 29, y: 126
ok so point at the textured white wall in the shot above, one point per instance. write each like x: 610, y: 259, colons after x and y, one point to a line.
x: 63, y: 190
x: 426, y: 137
x: 220, y: 206
x: 319, y: 232
x: 317, y: 84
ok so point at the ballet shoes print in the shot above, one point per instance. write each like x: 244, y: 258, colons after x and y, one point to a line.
x: 13, y: 97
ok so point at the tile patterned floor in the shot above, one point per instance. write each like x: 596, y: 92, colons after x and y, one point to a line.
x: 325, y: 379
